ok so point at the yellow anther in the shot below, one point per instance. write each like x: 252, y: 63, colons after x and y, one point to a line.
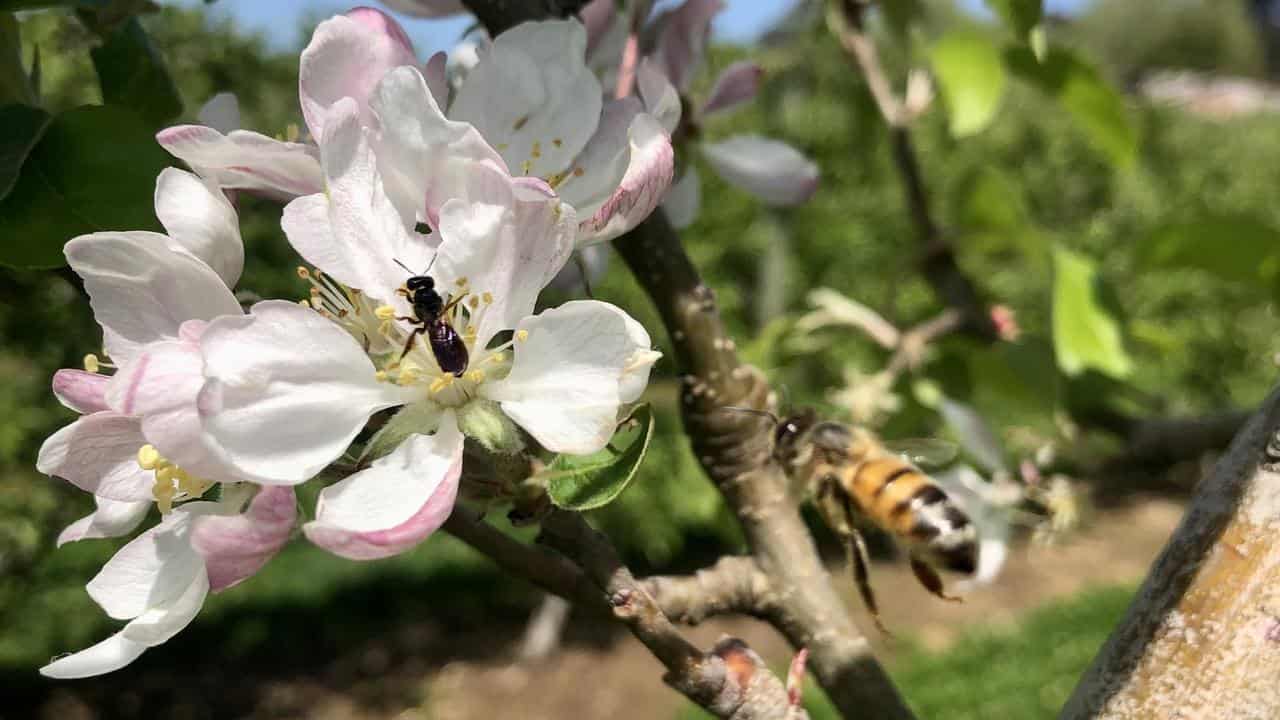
x: 380, y: 376
x: 557, y: 142
x: 291, y: 132
x: 488, y: 298
x: 522, y: 335
x: 91, y: 363
x: 304, y: 303
x: 148, y: 457
x: 555, y: 178
x: 497, y: 358
x: 407, y: 376
x: 537, y: 149
x: 473, y: 302
x: 476, y: 376
x: 469, y: 333
x: 165, y: 473
x: 440, y: 383
x: 461, y: 282
x: 384, y: 312
x: 520, y: 123
x: 525, y: 167
x: 578, y: 172
x: 304, y: 273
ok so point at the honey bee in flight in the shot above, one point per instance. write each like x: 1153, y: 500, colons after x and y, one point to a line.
x: 850, y: 474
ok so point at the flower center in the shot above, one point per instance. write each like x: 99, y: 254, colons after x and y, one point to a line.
x: 172, y: 483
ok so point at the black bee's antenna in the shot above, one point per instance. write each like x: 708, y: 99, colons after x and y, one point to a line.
x: 424, y: 272
x: 406, y: 267
x: 753, y: 411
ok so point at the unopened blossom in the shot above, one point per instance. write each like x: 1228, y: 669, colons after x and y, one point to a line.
x: 289, y: 386
x: 149, y: 292
x: 769, y: 169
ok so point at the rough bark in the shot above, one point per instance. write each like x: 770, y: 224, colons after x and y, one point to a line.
x: 1202, y: 638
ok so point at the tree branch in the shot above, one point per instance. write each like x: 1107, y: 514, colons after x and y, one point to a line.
x: 845, y: 19
x: 733, y: 585
x: 731, y: 681
x: 1201, y: 638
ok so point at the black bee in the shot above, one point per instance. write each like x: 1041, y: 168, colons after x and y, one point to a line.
x: 429, y: 311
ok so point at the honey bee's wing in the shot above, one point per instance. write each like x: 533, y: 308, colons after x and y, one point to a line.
x: 924, y: 452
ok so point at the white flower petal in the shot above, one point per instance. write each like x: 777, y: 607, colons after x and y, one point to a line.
x: 532, y: 97
x: 574, y: 368
x: 286, y: 391
x: 221, y: 112
x: 234, y: 547
x: 597, y: 16
x: 245, y: 160
x: 112, y: 519
x: 684, y: 39
x: 684, y: 200
x: 198, y: 216
x: 361, y: 236
x: 426, y: 8
x: 661, y: 99
x: 162, y: 622
x: 152, y: 570
x: 509, y: 240
x: 346, y: 58
x: 423, y: 156
x: 649, y: 171
x: 99, y: 454
x: 771, y: 170
x: 436, y: 74
x: 111, y: 654
x: 82, y: 391
x: 738, y: 84
x: 395, y: 503
x: 599, y: 169
x: 142, y: 288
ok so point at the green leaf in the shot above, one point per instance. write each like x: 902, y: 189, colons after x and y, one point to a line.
x: 971, y: 77
x: 133, y: 75
x: 23, y: 127
x: 990, y: 200
x: 93, y: 169
x: 901, y: 15
x: 1085, y: 333
x: 1080, y: 89
x: 586, y: 482
x: 15, y: 86
x: 1236, y: 248
x: 1021, y: 16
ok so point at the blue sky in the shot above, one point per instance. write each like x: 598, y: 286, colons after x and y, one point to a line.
x: 279, y: 20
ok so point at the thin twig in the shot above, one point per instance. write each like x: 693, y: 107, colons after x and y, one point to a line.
x: 733, y: 585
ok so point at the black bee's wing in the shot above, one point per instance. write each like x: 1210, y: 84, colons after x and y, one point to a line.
x: 924, y: 452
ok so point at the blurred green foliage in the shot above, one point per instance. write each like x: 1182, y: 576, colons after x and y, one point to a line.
x: 1198, y: 337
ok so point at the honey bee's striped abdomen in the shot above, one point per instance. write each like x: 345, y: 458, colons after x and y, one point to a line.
x: 909, y: 504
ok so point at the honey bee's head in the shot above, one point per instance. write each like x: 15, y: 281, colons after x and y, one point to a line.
x: 789, y: 431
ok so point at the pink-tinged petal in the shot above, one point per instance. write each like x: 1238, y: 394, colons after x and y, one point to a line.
x: 424, y: 158
x: 142, y: 287
x: 660, y: 97
x: 509, y: 239
x: 532, y: 97
x: 684, y: 199
x: 222, y: 112
x: 152, y: 570
x: 112, y: 519
x: 99, y: 454
x: 738, y: 84
x: 286, y: 391
x: 572, y: 371
x: 346, y: 58
x: 773, y: 171
x: 197, y: 215
x: 234, y: 547
x: 82, y: 391
x: 596, y: 17
x: 111, y: 654
x: 394, y: 504
x: 684, y: 39
x: 246, y: 160
x: 426, y: 8
x: 600, y: 167
x: 436, y: 74
x: 648, y: 176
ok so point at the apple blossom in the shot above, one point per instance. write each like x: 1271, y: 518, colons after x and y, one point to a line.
x: 288, y: 387
x: 150, y: 292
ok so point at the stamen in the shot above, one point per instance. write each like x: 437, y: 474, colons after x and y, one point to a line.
x: 498, y: 357
x: 476, y: 376
x: 304, y: 273
x: 91, y: 363
x: 557, y: 142
x: 384, y: 312
x: 522, y: 335
x: 525, y: 167
x: 488, y: 297
x: 148, y: 457
x: 520, y: 123
x: 440, y: 383
x: 461, y: 282
x: 380, y: 376
x: 291, y: 132
x: 537, y: 150
x: 474, y: 302
x: 408, y: 376
x: 303, y: 302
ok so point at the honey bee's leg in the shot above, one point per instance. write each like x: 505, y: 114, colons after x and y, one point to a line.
x: 930, y: 579
x: 861, y: 561
x: 408, y: 344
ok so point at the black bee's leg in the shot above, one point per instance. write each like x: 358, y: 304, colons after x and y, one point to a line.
x: 408, y: 345
x: 452, y: 302
x: 861, y: 560
x: 930, y: 579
